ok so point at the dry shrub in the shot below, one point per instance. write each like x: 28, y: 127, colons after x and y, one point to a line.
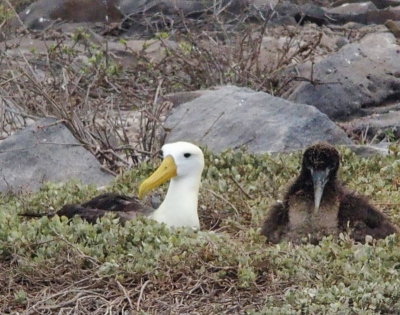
x: 92, y: 97
x: 78, y: 80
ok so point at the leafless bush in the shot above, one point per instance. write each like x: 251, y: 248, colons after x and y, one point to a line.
x: 80, y: 82
x: 205, y: 60
x: 90, y: 97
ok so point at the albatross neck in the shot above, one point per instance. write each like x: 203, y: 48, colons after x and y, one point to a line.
x: 179, y: 207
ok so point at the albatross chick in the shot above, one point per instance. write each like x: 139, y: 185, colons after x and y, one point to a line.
x: 316, y: 205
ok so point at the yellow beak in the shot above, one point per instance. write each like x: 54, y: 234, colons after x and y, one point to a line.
x: 164, y: 172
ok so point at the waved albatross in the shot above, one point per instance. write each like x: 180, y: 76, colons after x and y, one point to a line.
x: 183, y: 164
x: 316, y: 205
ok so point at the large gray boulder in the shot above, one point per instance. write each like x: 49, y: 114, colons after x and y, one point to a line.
x: 359, y: 75
x: 46, y: 151
x: 233, y: 117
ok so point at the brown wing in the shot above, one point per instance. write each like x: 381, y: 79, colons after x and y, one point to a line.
x: 363, y: 218
x: 275, y: 223
x: 125, y: 208
x: 114, y: 202
x: 88, y: 214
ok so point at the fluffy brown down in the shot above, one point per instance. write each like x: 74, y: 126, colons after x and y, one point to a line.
x: 340, y: 210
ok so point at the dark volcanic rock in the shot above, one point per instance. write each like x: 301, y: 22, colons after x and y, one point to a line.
x: 352, y: 8
x: 359, y: 75
x: 367, y: 17
x: 376, y: 126
x: 233, y: 117
x: 46, y: 151
x: 192, y: 7
x: 187, y: 7
x: 298, y: 13
x: 44, y: 12
x: 381, y: 4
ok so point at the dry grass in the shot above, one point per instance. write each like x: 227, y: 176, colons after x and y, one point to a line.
x: 70, y: 289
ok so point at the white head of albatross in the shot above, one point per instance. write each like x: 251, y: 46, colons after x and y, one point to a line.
x: 183, y: 163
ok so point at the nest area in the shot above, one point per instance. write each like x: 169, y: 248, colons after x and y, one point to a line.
x: 50, y: 265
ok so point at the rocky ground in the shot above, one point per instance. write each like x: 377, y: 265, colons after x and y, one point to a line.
x: 113, y: 71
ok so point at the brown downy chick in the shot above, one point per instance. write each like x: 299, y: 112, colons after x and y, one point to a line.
x: 316, y: 205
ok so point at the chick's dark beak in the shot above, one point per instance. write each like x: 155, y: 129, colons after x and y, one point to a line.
x: 320, y: 178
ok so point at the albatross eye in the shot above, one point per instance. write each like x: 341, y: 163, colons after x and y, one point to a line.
x: 187, y: 155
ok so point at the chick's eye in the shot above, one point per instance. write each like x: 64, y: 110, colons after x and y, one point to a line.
x: 161, y: 154
x: 186, y: 155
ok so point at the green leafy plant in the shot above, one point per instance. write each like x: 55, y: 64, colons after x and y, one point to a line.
x: 145, y: 266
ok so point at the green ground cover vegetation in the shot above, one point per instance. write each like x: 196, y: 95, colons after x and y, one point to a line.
x: 51, y: 265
